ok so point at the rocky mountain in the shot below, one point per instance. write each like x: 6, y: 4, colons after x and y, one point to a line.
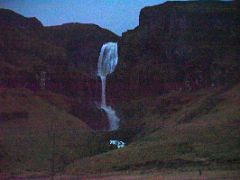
x: 28, y: 46
x: 175, y: 89
x: 181, y: 45
x: 62, y: 59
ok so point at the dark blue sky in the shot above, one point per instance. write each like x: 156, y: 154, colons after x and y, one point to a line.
x: 115, y: 15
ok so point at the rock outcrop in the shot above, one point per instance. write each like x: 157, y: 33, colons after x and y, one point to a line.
x: 181, y: 45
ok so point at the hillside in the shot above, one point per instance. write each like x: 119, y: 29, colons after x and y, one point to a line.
x: 35, y: 130
x: 199, y: 131
x: 27, y: 126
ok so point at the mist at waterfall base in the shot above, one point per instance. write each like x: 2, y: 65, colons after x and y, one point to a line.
x: 107, y: 63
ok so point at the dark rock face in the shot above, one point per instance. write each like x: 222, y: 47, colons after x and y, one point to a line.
x: 181, y: 45
x: 27, y: 50
x: 62, y: 59
x: 82, y: 43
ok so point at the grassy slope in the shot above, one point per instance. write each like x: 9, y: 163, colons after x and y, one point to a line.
x: 195, y: 129
x: 26, y: 133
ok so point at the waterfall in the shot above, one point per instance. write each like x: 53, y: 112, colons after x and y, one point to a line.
x: 107, y: 62
x: 103, y: 102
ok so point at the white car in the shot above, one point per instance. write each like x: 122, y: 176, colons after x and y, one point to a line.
x: 119, y: 144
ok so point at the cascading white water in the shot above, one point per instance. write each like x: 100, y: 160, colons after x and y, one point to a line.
x: 103, y: 102
x: 107, y: 63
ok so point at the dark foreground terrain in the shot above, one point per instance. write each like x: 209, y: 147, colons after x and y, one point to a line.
x: 197, y: 131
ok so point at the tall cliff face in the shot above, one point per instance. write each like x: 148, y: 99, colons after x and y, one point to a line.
x: 181, y: 44
x: 82, y: 43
